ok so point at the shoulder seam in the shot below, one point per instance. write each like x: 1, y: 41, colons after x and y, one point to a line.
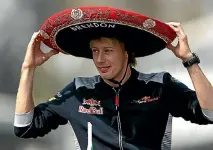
x: 88, y: 82
x: 152, y: 77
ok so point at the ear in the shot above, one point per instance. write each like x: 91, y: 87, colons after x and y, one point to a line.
x: 127, y: 54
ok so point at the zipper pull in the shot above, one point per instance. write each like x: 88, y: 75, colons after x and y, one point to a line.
x: 116, y: 100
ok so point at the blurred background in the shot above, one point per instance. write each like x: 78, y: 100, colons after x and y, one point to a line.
x: 19, y: 19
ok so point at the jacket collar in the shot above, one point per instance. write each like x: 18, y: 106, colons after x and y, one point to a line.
x: 107, y: 90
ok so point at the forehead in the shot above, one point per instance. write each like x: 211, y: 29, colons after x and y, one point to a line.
x: 105, y: 41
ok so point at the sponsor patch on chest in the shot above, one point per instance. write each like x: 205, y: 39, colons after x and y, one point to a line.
x: 91, y: 106
x: 145, y: 99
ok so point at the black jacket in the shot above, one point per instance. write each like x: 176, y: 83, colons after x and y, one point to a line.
x: 142, y: 121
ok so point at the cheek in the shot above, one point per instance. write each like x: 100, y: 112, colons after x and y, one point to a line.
x: 111, y: 59
x: 94, y: 58
x: 116, y: 62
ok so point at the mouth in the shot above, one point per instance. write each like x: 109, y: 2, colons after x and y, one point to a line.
x: 104, y: 69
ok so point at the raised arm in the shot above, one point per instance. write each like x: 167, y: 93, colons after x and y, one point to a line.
x: 34, y: 57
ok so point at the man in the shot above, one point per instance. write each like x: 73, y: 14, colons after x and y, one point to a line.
x: 121, y: 108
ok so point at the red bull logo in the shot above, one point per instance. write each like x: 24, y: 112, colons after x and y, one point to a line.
x: 91, y: 110
x: 95, y: 107
x: 91, y: 102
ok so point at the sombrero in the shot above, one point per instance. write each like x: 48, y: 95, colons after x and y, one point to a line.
x: 70, y: 31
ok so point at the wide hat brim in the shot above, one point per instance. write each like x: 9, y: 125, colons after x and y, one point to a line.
x: 70, y: 31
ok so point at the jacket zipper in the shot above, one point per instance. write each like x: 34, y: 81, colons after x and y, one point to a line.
x: 118, y: 118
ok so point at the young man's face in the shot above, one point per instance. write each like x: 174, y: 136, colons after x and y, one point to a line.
x: 109, y: 57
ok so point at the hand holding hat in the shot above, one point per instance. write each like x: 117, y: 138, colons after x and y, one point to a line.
x: 34, y: 56
x: 181, y: 50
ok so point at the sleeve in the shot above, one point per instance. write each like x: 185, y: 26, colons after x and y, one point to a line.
x: 182, y: 102
x: 44, y: 117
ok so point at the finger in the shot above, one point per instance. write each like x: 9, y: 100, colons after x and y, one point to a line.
x: 182, y: 32
x: 170, y: 47
x: 37, y: 42
x: 176, y: 24
x: 34, y: 36
x: 178, y: 30
x: 30, y: 44
x: 173, y: 27
x: 51, y: 53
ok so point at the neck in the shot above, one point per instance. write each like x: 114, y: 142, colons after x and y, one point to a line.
x: 127, y: 76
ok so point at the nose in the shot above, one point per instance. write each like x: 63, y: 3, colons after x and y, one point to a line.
x: 100, y: 58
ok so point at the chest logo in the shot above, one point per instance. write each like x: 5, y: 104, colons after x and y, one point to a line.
x: 91, y: 106
x: 145, y: 99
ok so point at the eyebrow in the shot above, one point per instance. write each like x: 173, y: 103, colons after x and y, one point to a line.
x: 104, y: 47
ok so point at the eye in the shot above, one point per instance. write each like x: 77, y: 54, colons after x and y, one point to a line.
x: 94, y: 50
x: 108, y: 50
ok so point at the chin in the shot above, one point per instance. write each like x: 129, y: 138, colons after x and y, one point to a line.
x: 106, y: 75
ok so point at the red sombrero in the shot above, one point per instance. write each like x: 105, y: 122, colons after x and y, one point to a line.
x: 71, y: 30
